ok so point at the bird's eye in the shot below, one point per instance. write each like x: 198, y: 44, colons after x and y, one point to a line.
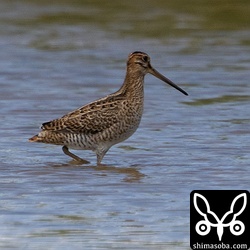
x: 145, y: 58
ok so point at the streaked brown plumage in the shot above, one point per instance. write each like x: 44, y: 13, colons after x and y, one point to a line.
x: 99, y: 125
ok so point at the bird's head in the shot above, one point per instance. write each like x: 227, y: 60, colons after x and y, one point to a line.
x: 140, y: 62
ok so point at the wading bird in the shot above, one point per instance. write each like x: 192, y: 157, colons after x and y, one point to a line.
x: 99, y: 125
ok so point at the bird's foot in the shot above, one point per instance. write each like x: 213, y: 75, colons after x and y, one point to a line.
x: 77, y: 160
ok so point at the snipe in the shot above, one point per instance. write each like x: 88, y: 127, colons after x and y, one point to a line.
x: 99, y: 125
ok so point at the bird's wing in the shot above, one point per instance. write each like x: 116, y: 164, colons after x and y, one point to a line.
x: 89, y: 119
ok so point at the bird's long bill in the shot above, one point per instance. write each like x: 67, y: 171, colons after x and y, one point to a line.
x: 166, y: 80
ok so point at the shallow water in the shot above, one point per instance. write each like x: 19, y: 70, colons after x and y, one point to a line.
x: 57, y: 56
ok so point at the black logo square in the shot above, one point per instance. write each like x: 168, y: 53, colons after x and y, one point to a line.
x: 219, y: 219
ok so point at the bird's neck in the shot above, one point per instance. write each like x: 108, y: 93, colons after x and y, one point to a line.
x: 133, y: 84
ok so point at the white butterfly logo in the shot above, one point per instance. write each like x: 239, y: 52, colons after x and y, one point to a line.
x: 203, y: 227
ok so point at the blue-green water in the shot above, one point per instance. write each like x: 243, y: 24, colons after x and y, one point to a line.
x: 59, y: 55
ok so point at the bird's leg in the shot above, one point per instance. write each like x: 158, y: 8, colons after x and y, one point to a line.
x: 99, y: 159
x: 75, y: 157
x: 100, y: 154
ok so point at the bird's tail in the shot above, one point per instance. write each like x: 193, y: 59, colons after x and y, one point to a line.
x: 36, y: 138
x: 50, y: 137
